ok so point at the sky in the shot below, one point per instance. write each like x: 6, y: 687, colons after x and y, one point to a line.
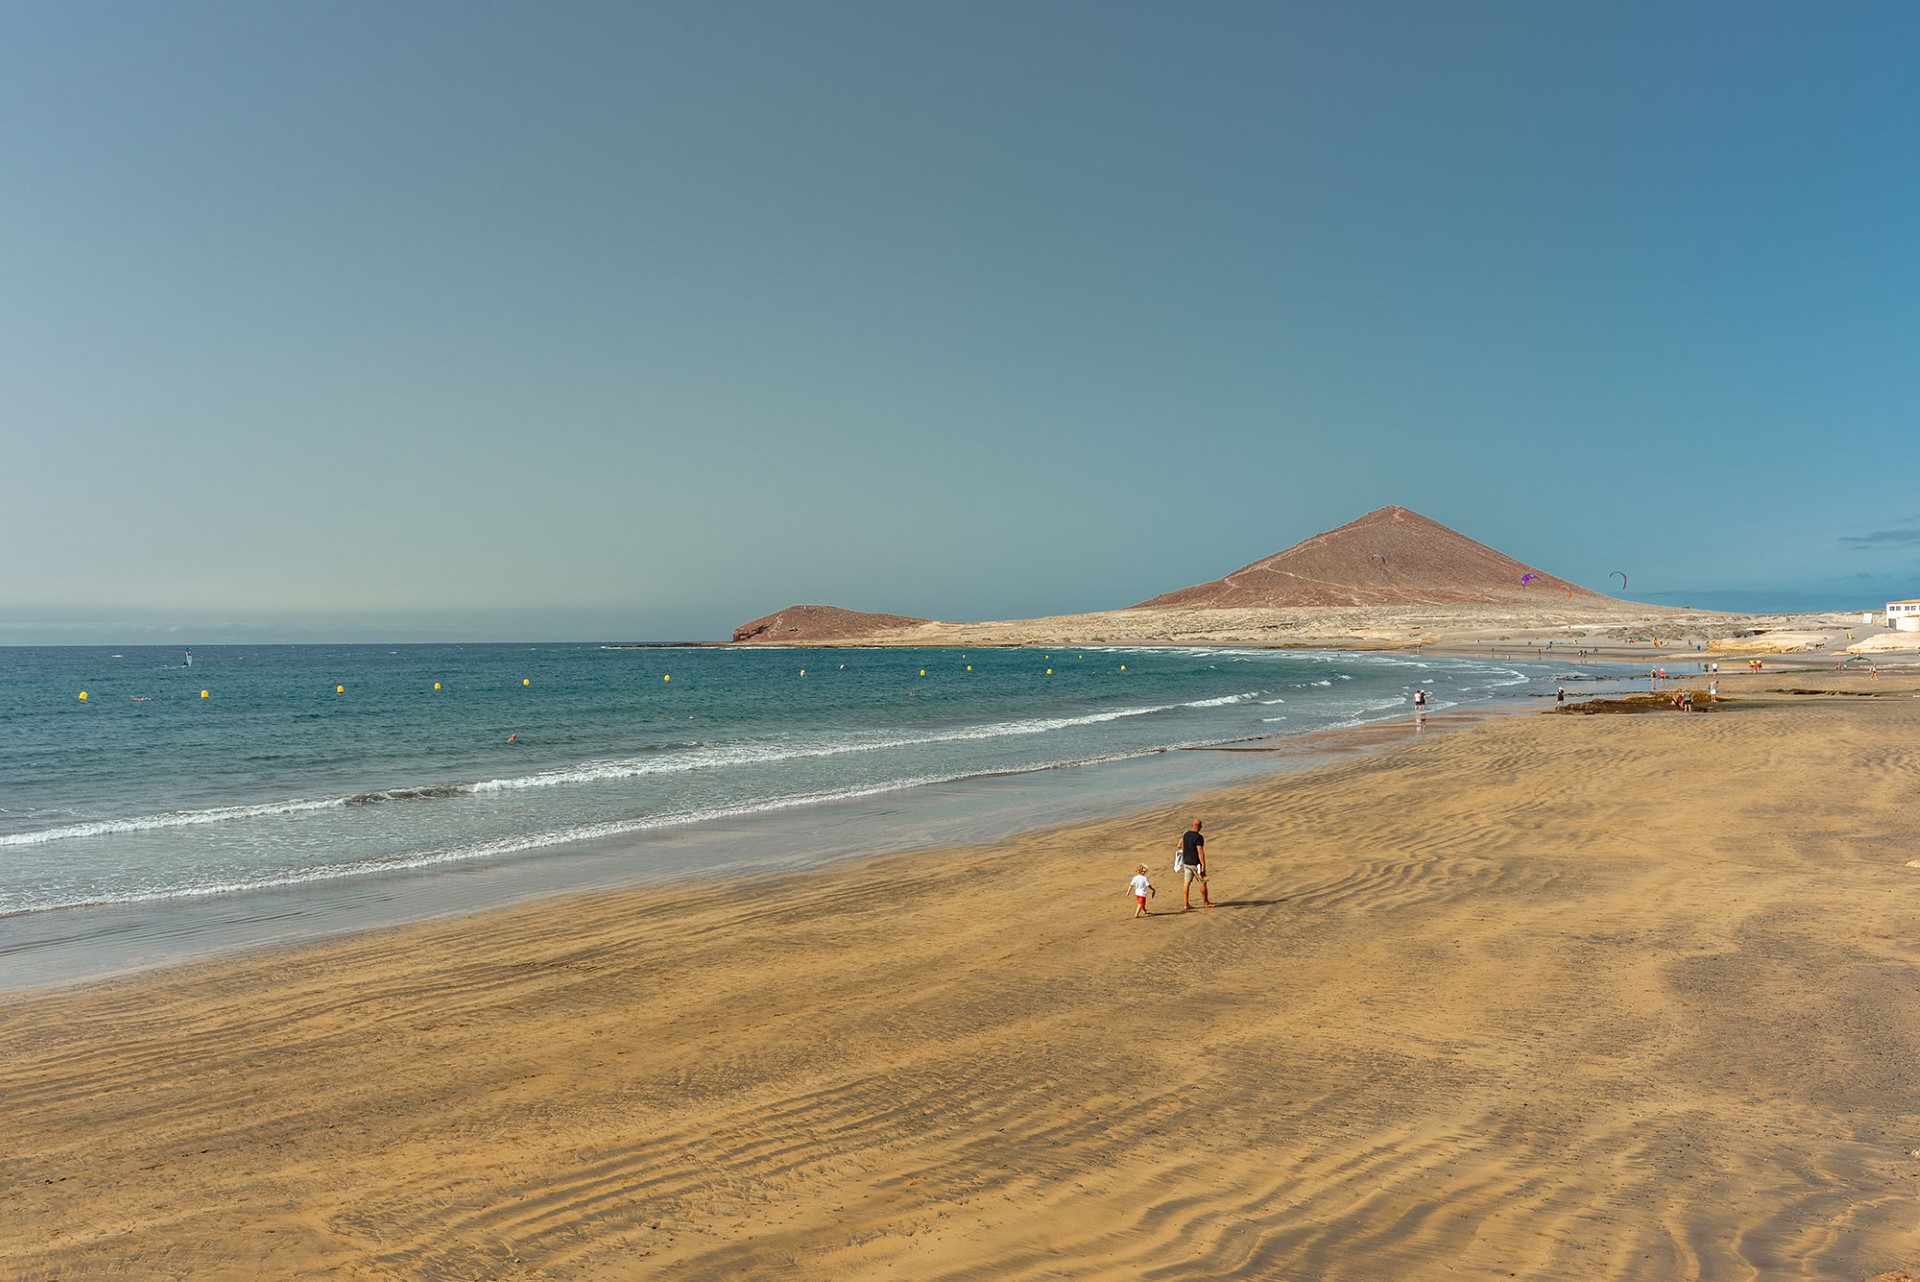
x: 418, y: 321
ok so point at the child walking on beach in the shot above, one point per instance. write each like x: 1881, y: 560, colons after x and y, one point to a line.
x: 1141, y: 889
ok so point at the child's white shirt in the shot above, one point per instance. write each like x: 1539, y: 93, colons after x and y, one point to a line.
x: 1140, y: 883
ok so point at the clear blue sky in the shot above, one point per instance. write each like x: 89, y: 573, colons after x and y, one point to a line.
x: 528, y: 321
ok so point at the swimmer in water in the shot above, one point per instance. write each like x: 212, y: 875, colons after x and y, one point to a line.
x: 513, y: 738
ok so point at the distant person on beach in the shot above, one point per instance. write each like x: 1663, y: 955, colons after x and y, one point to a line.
x: 1192, y: 861
x: 1560, y: 695
x: 1419, y: 703
x: 1141, y: 888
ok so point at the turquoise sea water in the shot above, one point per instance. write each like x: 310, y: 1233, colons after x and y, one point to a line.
x: 319, y: 782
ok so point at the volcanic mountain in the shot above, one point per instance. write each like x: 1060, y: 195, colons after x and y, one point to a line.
x: 1390, y: 556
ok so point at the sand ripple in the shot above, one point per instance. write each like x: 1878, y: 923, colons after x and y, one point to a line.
x: 1548, y: 998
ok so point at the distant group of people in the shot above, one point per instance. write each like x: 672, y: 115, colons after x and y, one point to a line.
x: 1189, y: 865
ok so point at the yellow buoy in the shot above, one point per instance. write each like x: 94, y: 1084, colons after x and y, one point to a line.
x: 666, y: 678
x: 526, y: 681
x: 803, y: 672
x: 969, y: 667
x: 203, y: 694
x: 1123, y: 667
x: 83, y: 696
x: 923, y: 672
x: 339, y: 689
x: 1049, y: 671
x: 436, y: 685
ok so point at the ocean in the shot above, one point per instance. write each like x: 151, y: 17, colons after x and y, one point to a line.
x: 263, y: 793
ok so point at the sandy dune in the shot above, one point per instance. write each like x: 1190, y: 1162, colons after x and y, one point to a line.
x: 1548, y: 997
x: 1621, y: 629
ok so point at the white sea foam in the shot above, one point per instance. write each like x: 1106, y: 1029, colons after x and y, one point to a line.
x: 519, y: 844
x: 1223, y: 701
x: 693, y: 757
x: 171, y: 819
x: 764, y: 753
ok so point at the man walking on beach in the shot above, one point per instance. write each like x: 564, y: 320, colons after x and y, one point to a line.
x: 1193, y: 863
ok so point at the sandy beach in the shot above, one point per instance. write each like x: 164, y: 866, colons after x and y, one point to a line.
x: 1546, y: 997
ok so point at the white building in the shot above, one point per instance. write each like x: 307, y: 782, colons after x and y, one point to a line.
x: 1904, y: 616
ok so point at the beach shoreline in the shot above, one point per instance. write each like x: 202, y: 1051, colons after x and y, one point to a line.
x: 81, y: 943
x: 1616, y: 996
x: 73, y: 948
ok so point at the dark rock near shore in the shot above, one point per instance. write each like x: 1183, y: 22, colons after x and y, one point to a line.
x: 813, y: 624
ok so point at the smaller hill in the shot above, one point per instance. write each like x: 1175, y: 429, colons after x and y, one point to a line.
x: 1390, y: 557
x: 814, y: 624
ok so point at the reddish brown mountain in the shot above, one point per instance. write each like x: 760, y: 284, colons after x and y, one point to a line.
x: 1391, y: 556
x: 810, y: 624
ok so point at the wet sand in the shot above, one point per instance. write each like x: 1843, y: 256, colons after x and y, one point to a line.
x: 1552, y: 996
